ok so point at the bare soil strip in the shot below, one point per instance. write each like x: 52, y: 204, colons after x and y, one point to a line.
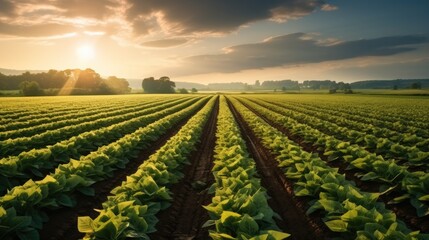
x: 184, y: 218
x: 291, y: 209
x: 403, y: 211
x: 63, y: 223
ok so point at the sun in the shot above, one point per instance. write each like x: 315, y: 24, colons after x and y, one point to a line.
x: 85, y: 52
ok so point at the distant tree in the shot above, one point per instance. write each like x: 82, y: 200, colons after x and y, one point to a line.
x: 247, y: 87
x: 117, y: 85
x: 149, y: 85
x: 182, y: 90
x: 194, y: 90
x: 341, y: 86
x: 283, y: 89
x: 88, y: 79
x: 30, y: 88
x: 395, y: 87
x: 257, y: 84
x: 416, y: 85
x: 162, y: 85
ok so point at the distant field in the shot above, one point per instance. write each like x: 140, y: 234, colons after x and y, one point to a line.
x: 329, y: 165
x: 394, y: 92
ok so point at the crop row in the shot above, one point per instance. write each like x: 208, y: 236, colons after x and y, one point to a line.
x: 22, y: 207
x: 381, y: 146
x: 362, y: 129
x: 343, y: 207
x: 239, y: 208
x: 51, y: 107
x: 130, y: 211
x: 413, y: 186
x: 47, y: 122
x: 74, y: 119
x: 31, y: 164
x: 15, y: 146
x: 372, y: 115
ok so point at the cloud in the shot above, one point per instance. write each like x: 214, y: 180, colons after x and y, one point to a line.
x: 135, y: 20
x: 297, y: 48
x: 165, y: 43
x: 97, y: 9
x: 6, y: 8
x: 32, y: 18
x: 220, y: 16
x: 38, y: 30
x: 328, y: 7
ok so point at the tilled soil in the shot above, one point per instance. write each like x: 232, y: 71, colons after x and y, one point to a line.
x: 62, y: 223
x: 404, y: 211
x: 291, y: 209
x: 185, y: 217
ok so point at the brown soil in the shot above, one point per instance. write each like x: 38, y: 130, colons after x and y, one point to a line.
x: 291, y: 209
x: 62, y: 223
x: 404, y: 211
x: 184, y: 219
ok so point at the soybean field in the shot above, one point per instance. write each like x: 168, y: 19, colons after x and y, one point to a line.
x: 200, y: 166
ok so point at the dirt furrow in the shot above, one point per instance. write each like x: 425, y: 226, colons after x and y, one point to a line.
x: 183, y: 220
x: 404, y: 210
x: 62, y: 223
x: 291, y: 210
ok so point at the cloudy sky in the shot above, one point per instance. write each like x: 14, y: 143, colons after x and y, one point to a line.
x: 219, y: 40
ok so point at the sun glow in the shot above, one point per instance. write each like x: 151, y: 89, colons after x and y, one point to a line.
x: 85, y: 52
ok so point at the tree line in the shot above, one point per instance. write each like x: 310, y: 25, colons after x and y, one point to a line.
x: 162, y: 85
x: 69, y: 81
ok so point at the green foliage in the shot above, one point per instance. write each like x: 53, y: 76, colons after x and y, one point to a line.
x: 372, y: 166
x: 130, y: 211
x: 30, y: 88
x: 162, y: 85
x: 30, y: 163
x: 239, y: 208
x: 85, y: 81
x: 345, y: 208
x: 52, y: 192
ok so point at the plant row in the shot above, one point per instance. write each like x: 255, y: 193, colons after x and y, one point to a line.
x: 361, y: 129
x: 239, y: 208
x: 412, y: 186
x: 56, y: 189
x: 71, y: 119
x: 32, y: 164
x: 15, y: 146
x: 375, y: 116
x: 345, y: 209
x: 130, y: 211
x: 52, y: 107
x: 381, y: 146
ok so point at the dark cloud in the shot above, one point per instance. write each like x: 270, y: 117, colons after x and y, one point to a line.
x: 42, y: 30
x: 185, y: 18
x: 143, y: 27
x: 219, y: 16
x: 98, y: 9
x: 32, y: 18
x: 165, y: 43
x: 7, y: 8
x: 297, y: 48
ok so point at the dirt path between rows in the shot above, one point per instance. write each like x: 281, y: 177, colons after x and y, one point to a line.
x: 63, y: 223
x: 184, y: 219
x: 404, y: 210
x: 291, y: 210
